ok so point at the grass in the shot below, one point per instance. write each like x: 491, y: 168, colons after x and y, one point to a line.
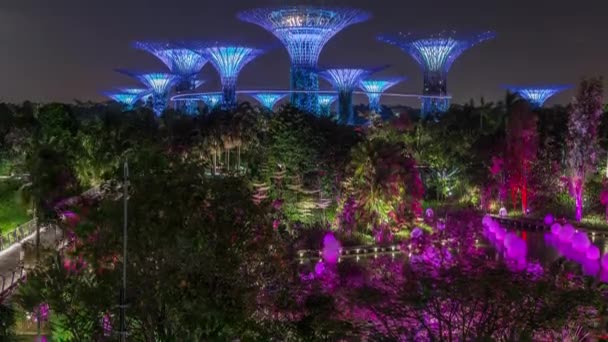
x: 12, y: 211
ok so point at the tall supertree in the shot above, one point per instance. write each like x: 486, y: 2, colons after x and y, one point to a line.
x: 159, y: 83
x: 345, y: 81
x: 538, y: 95
x: 325, y: 102
x: 183, y: 59
x: 127, y: 96
x: 229, y: 60
x: 435, y: 54
x: 375, y: 88
x: 268, y: 100
x: 304, y: 30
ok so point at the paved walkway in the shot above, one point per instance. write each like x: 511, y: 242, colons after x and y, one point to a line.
x: 11, y: 258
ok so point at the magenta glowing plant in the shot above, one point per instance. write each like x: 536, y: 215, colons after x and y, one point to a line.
x: 331, y: 248
x: 583, y: 123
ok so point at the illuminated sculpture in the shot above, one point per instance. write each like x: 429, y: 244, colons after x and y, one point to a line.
x: 325, y: 102
x: 229, y: 61
x: 435, y: 54
x: 127, y: 96
x: 375, y: 88
x: 304, y: 31
x: 345, y: 81
x: 268, y: 100
x: 159, y: 83
x: 537, y: 96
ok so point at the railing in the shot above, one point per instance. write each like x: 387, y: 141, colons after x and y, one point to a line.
x: 17, y: 235
x: 9, y: 283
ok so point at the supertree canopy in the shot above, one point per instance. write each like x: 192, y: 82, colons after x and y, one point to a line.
x: 211, y: 100
x: 436, y: 54
x: 325, y: 102
x: 159, y: 84
x: 268, y: 100
x: 229, y: 60
x: 345, y: 81
x: 304, y: 30
x: 128, y: 99
x: 184, y: 60
x: 375, y: 88
x: 537, y: 96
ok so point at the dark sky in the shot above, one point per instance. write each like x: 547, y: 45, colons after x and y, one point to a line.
x: 60, y: 50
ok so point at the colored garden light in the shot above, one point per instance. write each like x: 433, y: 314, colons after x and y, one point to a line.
x: 158, y: 83
x: 268, y: 100
x: 537, y: 96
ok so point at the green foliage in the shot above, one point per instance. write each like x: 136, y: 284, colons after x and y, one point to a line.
x: 7, y: 322
x: 13, y: 212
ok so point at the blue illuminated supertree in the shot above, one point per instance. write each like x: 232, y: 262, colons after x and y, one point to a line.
x: 304, y: 30
x: 325, y: 102
x: 185, y: 60
x: 268, y: 100
x: 127, y: 96
x: 158, y: 83
x: 436, y: 54
x: 375, y: 88
x: 537, y: 95
x: 229, y: 60
x: 345, y: 81
x: 211, y: 100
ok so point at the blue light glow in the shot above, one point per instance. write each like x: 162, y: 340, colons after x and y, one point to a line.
x: 304, y: 31
x: 159, y: 83
x: 435, y: 54
x: 211, y: 101
x: 325, y: 102
x: 127, y: 99
x: 345, y: 81
x: 375, y: 88
x: 268, y: 100
x: 229, y: 61
x: 181, y: 60
x: 198, y: 83
x: 537, y: 96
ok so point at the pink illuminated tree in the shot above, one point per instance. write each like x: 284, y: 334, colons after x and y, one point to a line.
x: 583, y: 123
x: 522, y: 146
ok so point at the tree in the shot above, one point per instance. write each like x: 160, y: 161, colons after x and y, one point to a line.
x: 583, y: 122
x: 521, y: 150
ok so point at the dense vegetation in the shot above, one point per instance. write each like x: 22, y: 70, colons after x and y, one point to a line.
x: 219, y: 205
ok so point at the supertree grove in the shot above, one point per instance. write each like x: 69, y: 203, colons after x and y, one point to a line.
x: 229, y: 60
x: 304, y: 31
x: 375, y: 88
x: 325, y: 102
x: 435, y: 54
x: 159, y: 84
x: 184, y: 60
x: 537, y: 96
x: 268, y: 100
x: 211, y: 101
x: 345, y: 81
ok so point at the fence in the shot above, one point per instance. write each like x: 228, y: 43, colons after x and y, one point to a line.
x: 18, y: 234
x: 9, y: 282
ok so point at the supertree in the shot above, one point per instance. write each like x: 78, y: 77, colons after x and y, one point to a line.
x: 128, y: 97
x: 435, y: 54
x: 345, y: 81
x: 182, y: 59
x: 304, y: 30
x: 229, y: 60
x: 375, y: 88
x: 159, y: 84
x: 211, y: 100
x: 538, y: 95
x: 325, y: 102
x: 268, y: 100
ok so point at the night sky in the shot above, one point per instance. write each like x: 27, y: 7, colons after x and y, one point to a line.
x: 61, y: 50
